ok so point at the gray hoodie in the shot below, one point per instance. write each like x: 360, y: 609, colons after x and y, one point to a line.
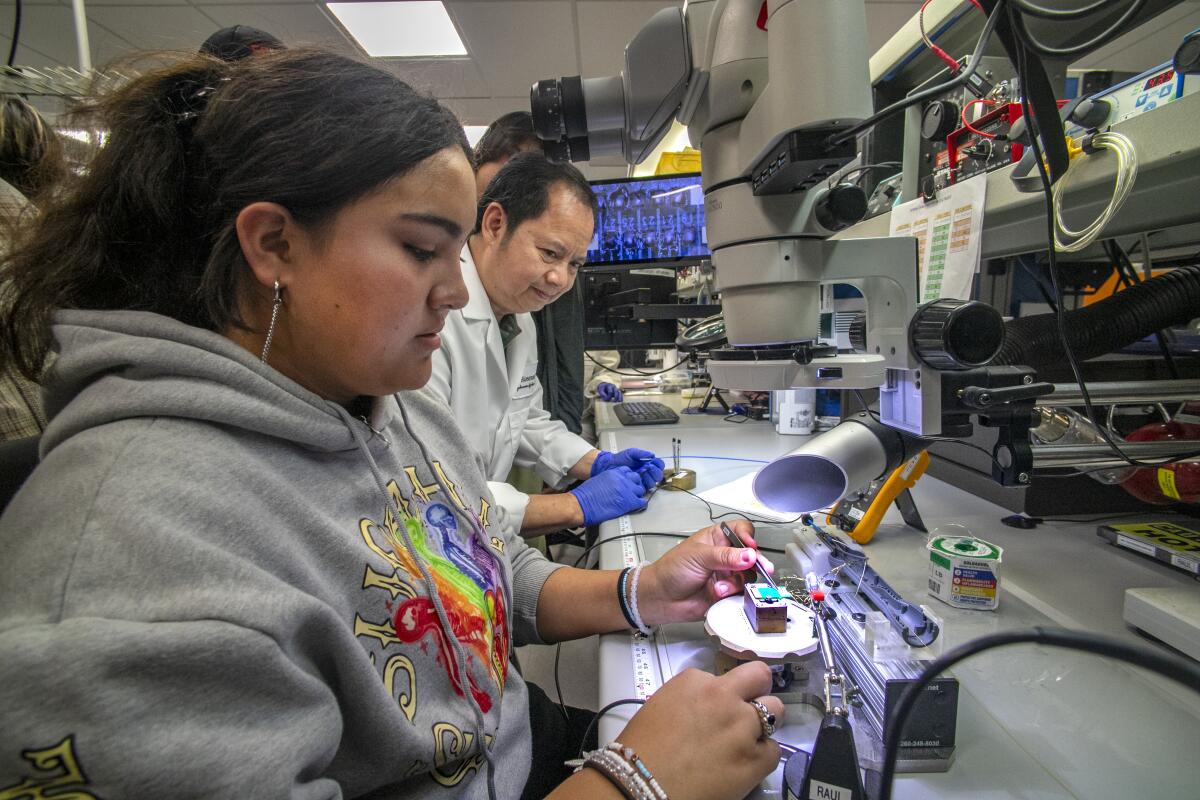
x: 206, y: 589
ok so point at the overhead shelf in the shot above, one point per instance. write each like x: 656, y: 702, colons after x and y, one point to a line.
x: 1164, y: 195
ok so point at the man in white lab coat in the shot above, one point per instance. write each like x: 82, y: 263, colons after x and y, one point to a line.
x: 533, y: 227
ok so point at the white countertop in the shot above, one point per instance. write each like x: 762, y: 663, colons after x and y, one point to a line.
x: 1033, y: 722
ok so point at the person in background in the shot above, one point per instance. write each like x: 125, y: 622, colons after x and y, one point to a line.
x: 532, y: 229
x: 240, y: 41
x: 31, y: 167
x: 256, y: 559
x: 559, y: 325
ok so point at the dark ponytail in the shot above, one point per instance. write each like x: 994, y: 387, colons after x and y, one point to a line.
x: 151, y: 225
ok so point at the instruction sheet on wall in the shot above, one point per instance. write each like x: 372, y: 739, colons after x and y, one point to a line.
x: 947, y: 229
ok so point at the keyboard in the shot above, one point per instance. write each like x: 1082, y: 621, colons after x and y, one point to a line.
x: 644, y: 413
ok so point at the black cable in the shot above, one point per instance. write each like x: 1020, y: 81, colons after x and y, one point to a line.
x: 1037, y: 282
x: 1034, y: 10
x: 16, y: 34
x: 933, y: 91
x: 715, y: 518
x: 631, y: 701
x: 1124, y: 515
x: 636, y: 372
x: 1166, y: 664
x: 1125, y: 268
x: 1113, y: 31
x: 870, y: 167
x: 620, y: 536
x: 875, y: 416
x: 562, y: 706
x: 1059, y: 317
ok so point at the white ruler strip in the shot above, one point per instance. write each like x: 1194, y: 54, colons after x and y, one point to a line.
x: 642, y: 650
x: 645, y: 675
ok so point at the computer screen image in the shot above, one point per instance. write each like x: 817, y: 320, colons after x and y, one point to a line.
x: 649, y: 220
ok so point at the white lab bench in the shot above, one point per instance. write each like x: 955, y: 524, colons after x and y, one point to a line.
x: 1032, y: 722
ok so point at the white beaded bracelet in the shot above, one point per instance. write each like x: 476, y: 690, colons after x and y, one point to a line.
x: 620, y: 773
x: 631, y: 757
x: 633, y: 603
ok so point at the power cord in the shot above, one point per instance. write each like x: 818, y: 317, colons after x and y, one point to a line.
x: 16, y: 34
x: 634, y: 371
x: 630, y: 701
x: 863, y: 168
x: 1027, y: 7
x: 1162, y: 663
x: 933, y: 91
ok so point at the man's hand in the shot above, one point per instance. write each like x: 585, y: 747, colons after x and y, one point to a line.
x: 647, y: 465
x: 609, y: 392
x: 610, y: 494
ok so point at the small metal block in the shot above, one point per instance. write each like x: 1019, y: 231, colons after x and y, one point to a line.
x: 684, y: 479
x: 765, y: 608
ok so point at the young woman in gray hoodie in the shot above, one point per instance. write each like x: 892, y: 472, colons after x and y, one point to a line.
x: 255, y: 560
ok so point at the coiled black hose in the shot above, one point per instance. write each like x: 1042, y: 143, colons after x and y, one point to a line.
x: 1119, y: 321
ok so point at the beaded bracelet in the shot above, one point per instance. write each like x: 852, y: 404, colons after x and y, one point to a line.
x: 638, y: 622
x: 631, y: 757
x: 623, y: 599
x: 629, y: 779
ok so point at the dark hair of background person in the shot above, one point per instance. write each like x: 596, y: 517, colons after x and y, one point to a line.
x: 240, y: 41
x: 506, y: 137
x: 152, y: 224
x: 522, y: 188
x: 31, y: 154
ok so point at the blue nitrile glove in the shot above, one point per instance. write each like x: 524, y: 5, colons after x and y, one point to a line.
x: 643, y: 462
x: 610, y: 494
x: 609, y: 392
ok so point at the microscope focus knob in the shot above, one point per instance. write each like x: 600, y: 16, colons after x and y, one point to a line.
x: 841, y: 207
x: 939, y: 120
x: 951, y: 334
x: 858, y: 332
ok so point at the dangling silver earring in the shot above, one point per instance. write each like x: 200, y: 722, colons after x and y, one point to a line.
x: 274, y: 318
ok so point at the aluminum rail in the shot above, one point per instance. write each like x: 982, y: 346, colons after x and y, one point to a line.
x: 1101, y: 455
x: 1124, y: 393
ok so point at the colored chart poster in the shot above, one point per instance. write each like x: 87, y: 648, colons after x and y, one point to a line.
x: 947, y: 230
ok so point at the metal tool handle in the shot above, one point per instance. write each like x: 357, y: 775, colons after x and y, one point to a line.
x: 736, y: 541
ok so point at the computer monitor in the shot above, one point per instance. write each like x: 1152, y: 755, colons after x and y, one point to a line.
x: 655, y: 220
x: 608, y: 322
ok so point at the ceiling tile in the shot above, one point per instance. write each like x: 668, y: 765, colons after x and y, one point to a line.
x: 92, y: 3
x: 294, y: 23
x: 156, y: 27
x: 441, y: 77
x: 48, y: 38
x: 605, y: 27
x: 517, y: 43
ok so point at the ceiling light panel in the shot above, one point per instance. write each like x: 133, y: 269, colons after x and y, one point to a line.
x: 400, y: 29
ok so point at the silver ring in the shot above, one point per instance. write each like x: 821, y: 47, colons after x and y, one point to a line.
x: 765, y: 718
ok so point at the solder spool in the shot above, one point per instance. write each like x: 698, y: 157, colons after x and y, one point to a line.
x: 679, y: 479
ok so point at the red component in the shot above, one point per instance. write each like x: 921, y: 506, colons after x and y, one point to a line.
x: 817, y: 595
x: 762, y: 16
x: 957, y: 142
x: 1171, y: 483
